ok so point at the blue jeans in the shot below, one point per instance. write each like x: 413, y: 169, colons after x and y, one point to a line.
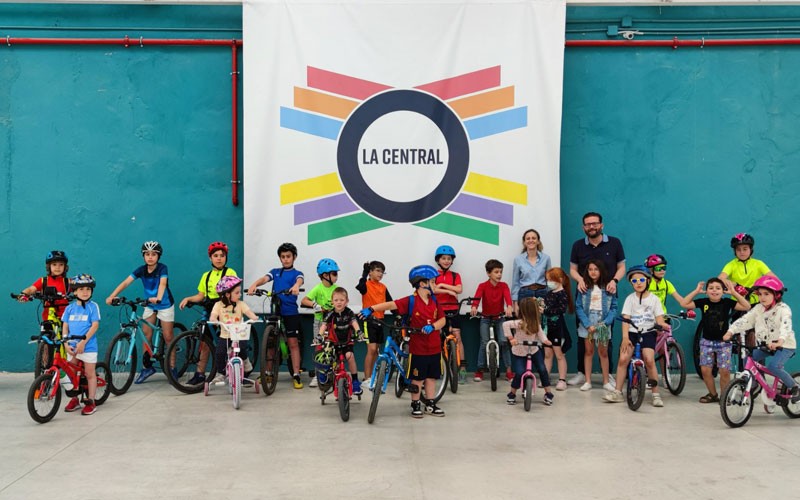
x: 776, y: 363
x: 527, y: 292
x: 520, y: 363
x: 505, y: 352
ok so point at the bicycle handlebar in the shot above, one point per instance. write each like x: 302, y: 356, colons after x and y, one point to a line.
x: 690, y: 315
x: 656, y: 328
x: 259, y: 292
x: 493, y: 317
x: 119, y: 301
x: 48, y: 339
x: 44, y: 297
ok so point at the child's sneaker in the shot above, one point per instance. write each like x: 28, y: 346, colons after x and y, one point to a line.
x: 585, y: 387
x: 795, y: 394
x: 89, y: 408
x: 73, y: 405
x: 357, y: 391
x: 416, y: 409
x: 248, y: 366
x: 247, y: 382
x: 312, y: 382
x: 219, y: 379
x: 509, y: 374
x: 562, y: 385
x: 657, y: 402
x: 197, y: 379
x: 296, y: 382
x: 511, y: 398
x: 432, y: 409
x: 462, y: 375
x: 145, y: 374
x: 609, y: 387
x: 548, y: 398
x: 478, y: 376
x: 614, y: 397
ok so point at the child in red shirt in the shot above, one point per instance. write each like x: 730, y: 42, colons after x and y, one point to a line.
x: 495, y: 297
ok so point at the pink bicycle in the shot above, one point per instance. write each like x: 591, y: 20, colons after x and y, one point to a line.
x: 528, y: 381
x: 736, y: 403
x: 235, y: 378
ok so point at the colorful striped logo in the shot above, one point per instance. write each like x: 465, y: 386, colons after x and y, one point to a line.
x: 462, y: 202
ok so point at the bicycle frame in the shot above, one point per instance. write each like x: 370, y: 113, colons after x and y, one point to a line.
x: 529, y: 368
x: 755, y: 371
x: 636, y: 359
x: 340, y: 372
x: 60, y: 363
x: 392, y: 354
x: 134, y: 327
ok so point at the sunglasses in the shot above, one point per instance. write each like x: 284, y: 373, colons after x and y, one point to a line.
x: 660, y: 268
x: 638, y: 280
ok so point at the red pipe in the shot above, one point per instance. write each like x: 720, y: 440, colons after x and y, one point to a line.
x: 127, y: 42
x: 675, y: 42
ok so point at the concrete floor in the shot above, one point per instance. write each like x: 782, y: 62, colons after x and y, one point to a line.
x: 154, y: 442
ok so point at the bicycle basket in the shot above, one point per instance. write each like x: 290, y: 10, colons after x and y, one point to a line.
x: 239, y: 331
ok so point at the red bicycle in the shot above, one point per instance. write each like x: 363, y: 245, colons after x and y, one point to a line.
x: 339, y: 381
x: 44, y: 396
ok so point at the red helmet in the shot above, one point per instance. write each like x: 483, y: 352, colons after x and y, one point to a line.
x: 217, y: 245
x: 655, y: 260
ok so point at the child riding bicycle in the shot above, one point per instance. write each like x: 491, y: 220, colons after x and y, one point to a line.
x: 229, y: 309
x: 287, y: 277
x: 494, y: 296
x: 319, y: 298
x: 82, y: 317
x: 56, y: 265
x: 528, y: 328
x: 645, y: 311
x: 339, y: 327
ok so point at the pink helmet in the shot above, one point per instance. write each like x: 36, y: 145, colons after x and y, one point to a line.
x: 227, y: 283
x: 770, y: 283
x: 655, y: 260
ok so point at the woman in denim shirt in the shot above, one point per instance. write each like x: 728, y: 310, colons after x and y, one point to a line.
x: 596, y: 310
x: 527, y: 278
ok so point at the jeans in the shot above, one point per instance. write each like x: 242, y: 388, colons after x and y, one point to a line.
x: 524, y: 293
x: 505, y: 352
x: 776, y: 363
x: 521, y: 362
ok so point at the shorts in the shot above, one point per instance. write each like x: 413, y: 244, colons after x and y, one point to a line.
x: 453, y: 321
x: 425, y: 366
x: 595, y: 318
x: 557, y: 331
x: 86, y: 357
x: 648, y: 339
x: 167, y: 314
x: 376, y: 333
x: 292, y: 325
x: 711, y: 348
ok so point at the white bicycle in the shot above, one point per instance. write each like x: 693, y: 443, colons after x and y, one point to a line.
x: 234, y: 377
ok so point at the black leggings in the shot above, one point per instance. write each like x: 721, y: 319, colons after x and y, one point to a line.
x: 221, y: 353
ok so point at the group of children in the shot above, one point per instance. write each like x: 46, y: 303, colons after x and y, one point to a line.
x: 435, y: 293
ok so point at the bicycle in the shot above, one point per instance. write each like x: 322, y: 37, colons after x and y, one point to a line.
x: 450, y: 351
x: 338, y: 379
x: 193, y: 350
x: 51, y: 326
x: 528, y: 380
x: 44, y: 395
x: 669, y: 354
x: 234, y: 372
x: 636, y: 382
x: 736, y: 401
x: 273, y: 348
x: 122, y: 356
x: 492, y: 347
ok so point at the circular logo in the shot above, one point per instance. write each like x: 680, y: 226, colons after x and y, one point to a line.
x: 394, y: 164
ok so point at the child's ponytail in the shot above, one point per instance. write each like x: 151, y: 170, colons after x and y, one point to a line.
x: 558, y: 274
x: 529, y: 315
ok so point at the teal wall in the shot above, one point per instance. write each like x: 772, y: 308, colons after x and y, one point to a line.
x: 104, y: 147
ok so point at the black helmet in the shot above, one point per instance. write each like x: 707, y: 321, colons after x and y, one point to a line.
x: 742, y: 239
x: 152, y: 246
x: 56, y: 256
x: 287, y: 247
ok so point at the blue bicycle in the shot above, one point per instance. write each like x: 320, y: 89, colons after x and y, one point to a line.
x: 636, y: 384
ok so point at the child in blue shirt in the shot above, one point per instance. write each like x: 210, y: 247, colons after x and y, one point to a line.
x: 82, y: 318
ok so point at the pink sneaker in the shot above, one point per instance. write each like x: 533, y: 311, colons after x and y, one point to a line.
x: 561, y: 385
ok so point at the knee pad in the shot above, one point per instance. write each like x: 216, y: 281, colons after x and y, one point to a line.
x: 652, y: 383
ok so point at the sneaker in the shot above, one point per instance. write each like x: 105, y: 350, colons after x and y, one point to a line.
x: 145, y: 374
x: 89, y: 408
x: 357, y: 391
x: 296, y: 382
x: 432, y: 409
x: 585, y: 387
x: 610, y: 387
x: 576, y: 379
x: 562, y: 385
x: 548, y: 398
x: 657, y: 402
x: 511, y: 398
x: 247, y: 382
x: 73, y: 405
x: 769, y: 409
x: 416, y: 409
x: 614, y: 397
x: 198, y: 379
x: 478, y: 377
x: 462, y: 376
x: 312, y: 382
x: 219, y: 379
x: 248, y: 366
x: 509, y: 375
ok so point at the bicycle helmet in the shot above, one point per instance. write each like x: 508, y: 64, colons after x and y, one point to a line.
x: 227, y: 283
x: 742, y: 239
x: 217, y: 245
x: 326, y: 266
x: 56, y: 256
x: 444, y: 250
x: 287, y: 247
x: 770, y: 283
x: 83, y: 280
x: 152, y: 246
x: 638, y: 270
x: 421, y: 273
x: 655, y: 260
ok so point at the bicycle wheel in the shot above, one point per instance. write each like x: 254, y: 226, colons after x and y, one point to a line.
x: 400, y: 381
x: 270, y: 361
x: 122, y: 368
x: 188, y: 347
x: 380, y: 376
x: 236, y: 383
x: 104, y: 378
x: 675, y: 371
x: 528, y: 394
x: 43, y: 358
x: 44, y: 397
x: 734, y: 405
x: 344, y: 398
x: 698, y: 334
x: 792, y: 410
x: 180, y: 368
x: 253, y: 353
x: 441, y: 384
x: 452, y: 364
x: 635, y: 388
x: 492, y: 364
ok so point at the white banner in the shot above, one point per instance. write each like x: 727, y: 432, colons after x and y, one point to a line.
x: 381, y: 129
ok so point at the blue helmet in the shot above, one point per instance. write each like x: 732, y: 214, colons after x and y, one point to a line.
x: 83, y: 280
x: 444, y: 250
x: 327, y: 266
x: 638, y: 270
x: 420, y: 273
